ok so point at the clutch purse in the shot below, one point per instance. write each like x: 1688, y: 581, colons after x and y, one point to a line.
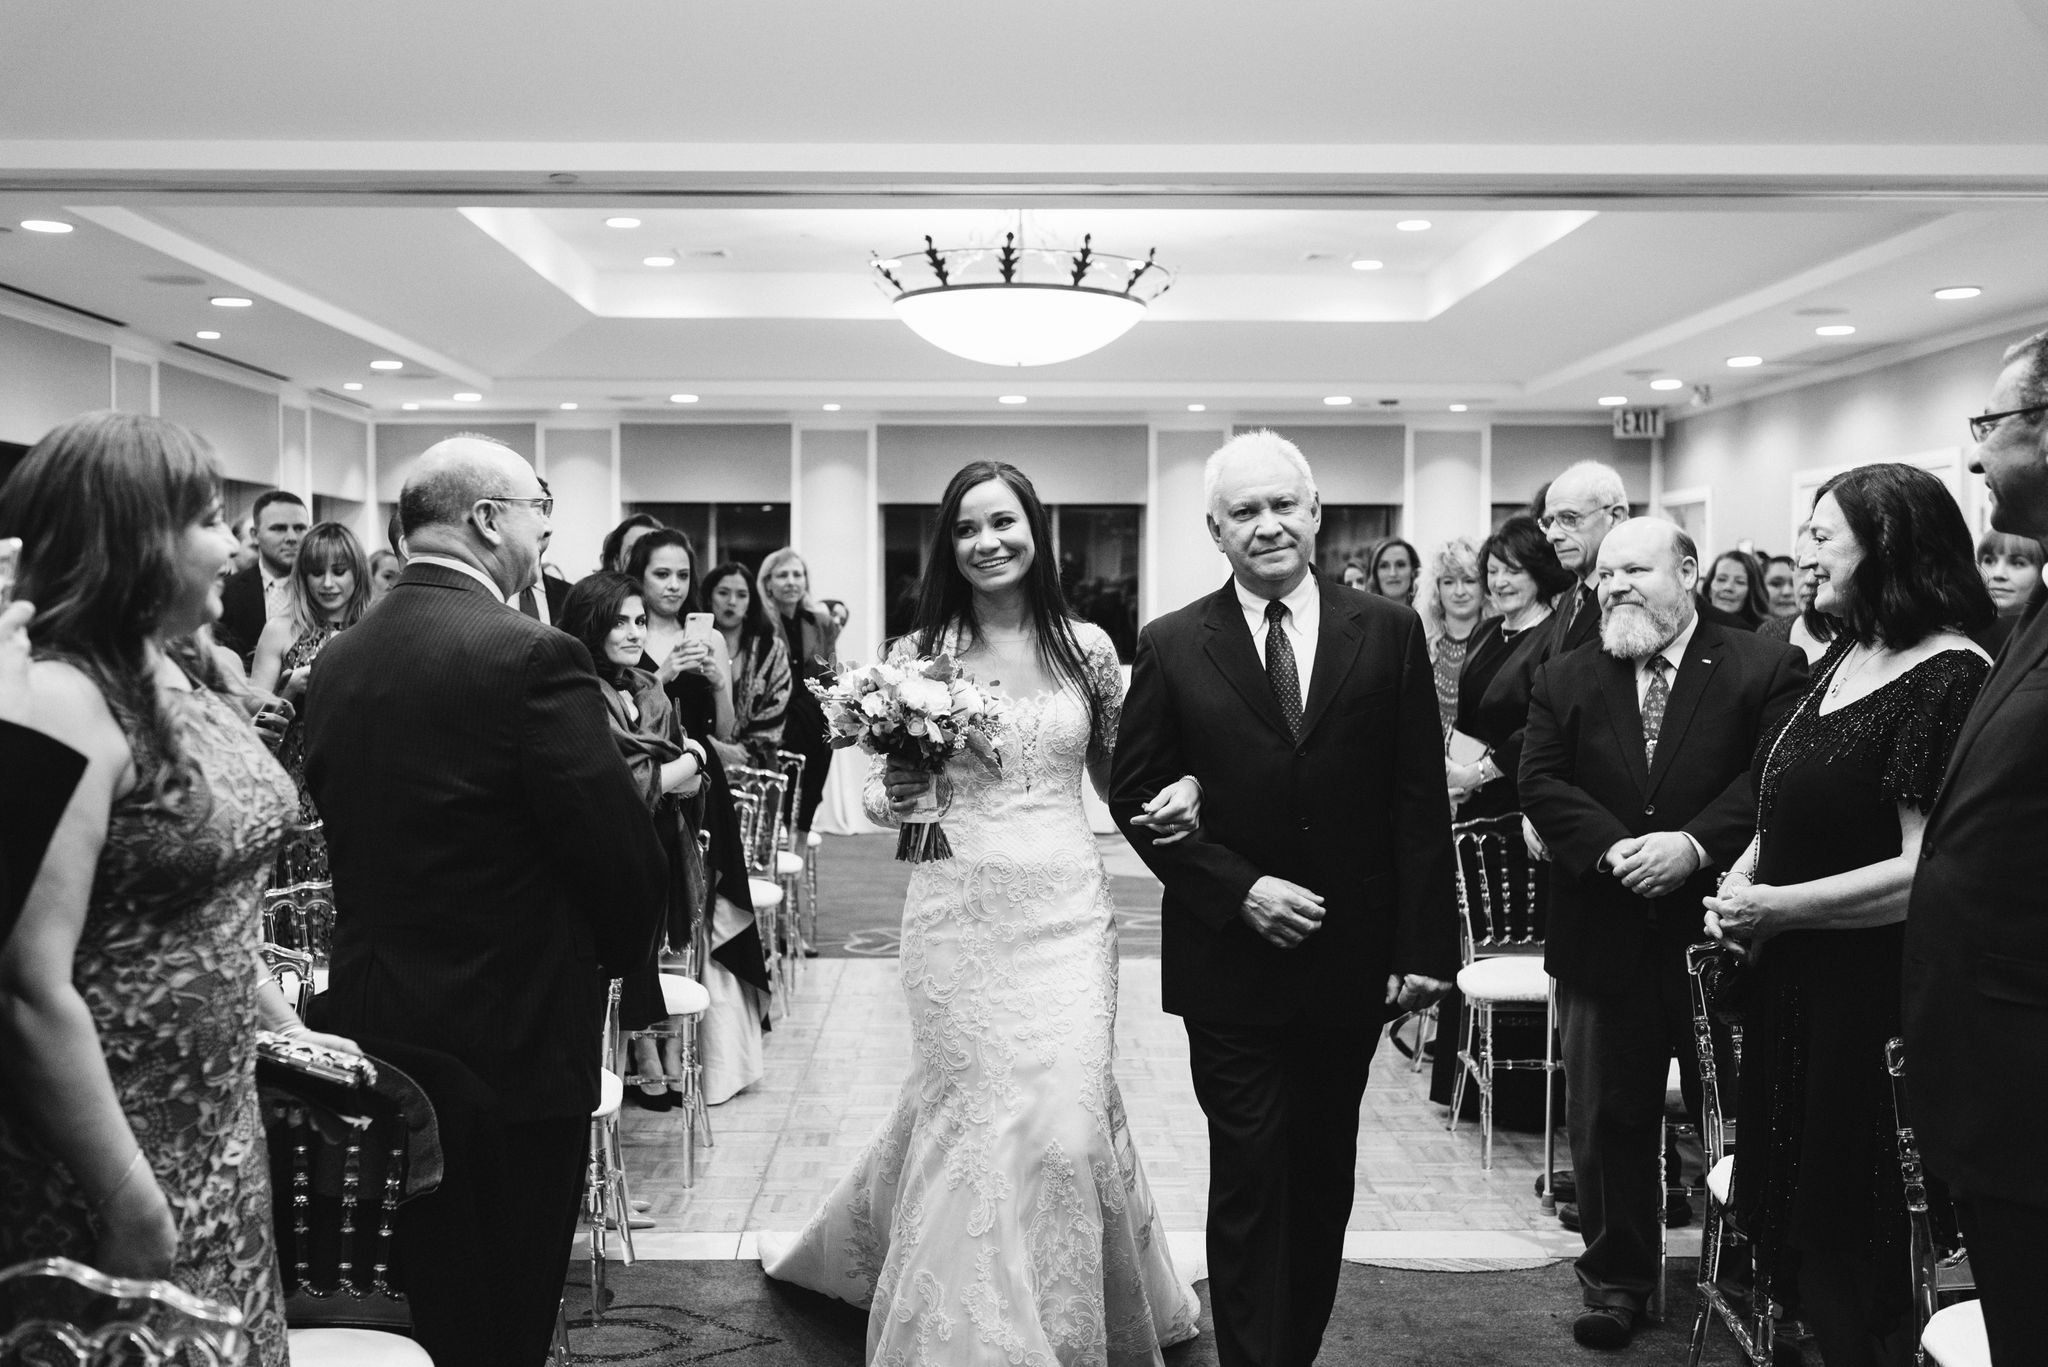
x: 313, y: 1072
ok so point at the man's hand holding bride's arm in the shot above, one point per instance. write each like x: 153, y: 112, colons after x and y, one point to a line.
x: 1175, y: 811
x: 1281, y: 912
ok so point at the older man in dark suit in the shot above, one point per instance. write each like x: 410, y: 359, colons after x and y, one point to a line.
x: 493, y: 861
x: 1322, y: 871
x: 1976, y: 959
x: 1635, y: 772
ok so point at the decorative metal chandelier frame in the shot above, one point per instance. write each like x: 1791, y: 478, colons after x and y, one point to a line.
x: 1017, y: 306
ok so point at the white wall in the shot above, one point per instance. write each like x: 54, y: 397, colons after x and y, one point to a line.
x: 1077, y: 464
x: 577, y: 462
x: 1747, y: 453
x: 704, y: 462
x: 241, y: 423
x: 47, y: 376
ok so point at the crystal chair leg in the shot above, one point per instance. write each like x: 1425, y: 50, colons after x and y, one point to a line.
x: 1663, y: 1226
x: 622, y: 1197
x: 1709, y: 1276
x: 1466, y: 1039
x: 1423, y: 1021
x: 1549, y: 1097
x: 1486, y: 1089
x: 594, y: 1194
x: 559, y: 1354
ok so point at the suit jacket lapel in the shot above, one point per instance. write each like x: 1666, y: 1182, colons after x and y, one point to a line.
x: 1701, y: 654
x: 1618, y: 686
x: 1338, y: 640
x: 1229, y: 645
x: 2023, y: 650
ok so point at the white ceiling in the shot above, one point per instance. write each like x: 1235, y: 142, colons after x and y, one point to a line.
x: 1616, y: 192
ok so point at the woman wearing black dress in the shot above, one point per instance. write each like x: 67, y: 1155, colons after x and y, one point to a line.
x: 1522, y: 577
x: 1818, y: 902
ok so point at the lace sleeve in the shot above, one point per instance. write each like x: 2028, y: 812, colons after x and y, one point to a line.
x: 1105, y: 678
x: 1926, y: 728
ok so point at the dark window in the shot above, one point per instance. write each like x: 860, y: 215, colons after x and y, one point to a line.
x: 1350, y: 531
x: 11, y: 453
x: 745, y: 532
x: 1098, y: 548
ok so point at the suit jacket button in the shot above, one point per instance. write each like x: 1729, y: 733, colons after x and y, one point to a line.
x: 1650, y: 810
x: 1926, y: 852
x: 1305, y: 823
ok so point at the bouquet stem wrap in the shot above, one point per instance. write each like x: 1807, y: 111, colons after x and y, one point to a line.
x: 923, y: 839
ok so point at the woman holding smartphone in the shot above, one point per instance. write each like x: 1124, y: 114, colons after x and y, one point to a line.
x: 760, y: 673
x: 682, y: 649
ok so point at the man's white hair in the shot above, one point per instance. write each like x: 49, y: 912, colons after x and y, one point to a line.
x: 1601, y: 483
x: 1265, y: 441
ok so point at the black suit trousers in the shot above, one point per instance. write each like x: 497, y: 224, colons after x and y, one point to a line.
x: 2009, y: 1258
x: 1282, y: 1102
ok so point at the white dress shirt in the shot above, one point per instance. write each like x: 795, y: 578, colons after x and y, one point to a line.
x: 449, y: 562
x: 1303, y: 624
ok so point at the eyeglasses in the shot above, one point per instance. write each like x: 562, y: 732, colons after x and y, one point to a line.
x: 1984, y: 424
x: 546, y: 505
x: 1569, y: 520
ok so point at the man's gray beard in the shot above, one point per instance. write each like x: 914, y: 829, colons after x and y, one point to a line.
x: 1629, y: 631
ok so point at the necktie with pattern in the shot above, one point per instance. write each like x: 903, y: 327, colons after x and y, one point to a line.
x: 1654, y: 702
x: 1280, y: 667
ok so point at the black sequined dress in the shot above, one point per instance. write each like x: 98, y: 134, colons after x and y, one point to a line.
x: 1815, y: 1165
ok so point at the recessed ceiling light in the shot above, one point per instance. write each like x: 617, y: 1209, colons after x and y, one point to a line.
x: 1958, y: 292
x: 622, y: 221
x: 657, y: 261
x: 207, y: 335
x: 45, y: 225
x: 1458, y: 407
x: 409, y: 407
x: 831, y: 408
x: 1366, y: 263
x: 1833, y: 330
x: 1336, y: 400
x: 1667, y: 384
x: 1612, y: 400
x: 1413, y: 225
x: 387, y: 365
x: 231, y: 301
x: 682, y: 398
x: 567, y: 407
x: 352, y: 384
x: 1012, y: 398
x: 1198, y: 408
x: 467, y: 396
x: 1744, y: 362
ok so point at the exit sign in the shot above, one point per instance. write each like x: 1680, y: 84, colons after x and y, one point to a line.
x: 1640, y: 423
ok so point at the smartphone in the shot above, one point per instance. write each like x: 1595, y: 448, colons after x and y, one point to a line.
x: 10, y: 557
x: 699, y: 626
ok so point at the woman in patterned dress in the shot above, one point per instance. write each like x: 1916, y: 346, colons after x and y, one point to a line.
x: 130, y: 991
x: 1452, y: 603
x: 329, y: 591
x: 1819, y: 900
x: 1000, y: 1215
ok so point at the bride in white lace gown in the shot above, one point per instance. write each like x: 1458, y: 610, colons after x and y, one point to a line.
x: 1000, y: 1215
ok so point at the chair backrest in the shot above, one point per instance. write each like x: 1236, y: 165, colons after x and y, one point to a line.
x: 768, y: 788
x: 55, y: 1311
x: 1927, y: 1241
x: 792, y: 766
x: 300, y: 916
x: 292, y: 971
x: 746, y: 807
x: 1500, y: 889
x: 351, y: 1139
x: 1717, y: 1039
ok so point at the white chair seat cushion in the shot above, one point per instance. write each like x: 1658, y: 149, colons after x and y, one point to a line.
x: 1505, y: 978
x: 788, y: 865
x: 812, y: 839
x: 1722, y: 1180
x: 767, y: 896
x: 684, y: 996
x: 1953, y: 1338
x: 355, y: 1348
x: 610, y: 1093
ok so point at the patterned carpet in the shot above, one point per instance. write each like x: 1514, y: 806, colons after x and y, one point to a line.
x: 862, y: 912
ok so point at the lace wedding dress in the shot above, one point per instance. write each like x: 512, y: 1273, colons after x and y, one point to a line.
x: 1000, y: 1215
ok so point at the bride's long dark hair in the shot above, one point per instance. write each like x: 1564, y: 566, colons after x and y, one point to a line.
x: 945, y: 600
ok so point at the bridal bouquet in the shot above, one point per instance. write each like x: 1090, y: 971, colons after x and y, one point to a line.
x: 921, y: 713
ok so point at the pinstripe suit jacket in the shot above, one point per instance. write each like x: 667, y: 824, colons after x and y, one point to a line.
x: 493, y: 861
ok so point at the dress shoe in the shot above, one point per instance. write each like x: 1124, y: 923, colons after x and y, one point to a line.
x: 1677, y: 1212
x: 663, y: 1100
x: 1563, y: 1186
x: 1604, y: 1326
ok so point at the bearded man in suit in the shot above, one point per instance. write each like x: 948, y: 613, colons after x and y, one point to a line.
x: 1307, y: 711
x: 1636, y: 774
x: 494, y: 862
x: 1976, y: 958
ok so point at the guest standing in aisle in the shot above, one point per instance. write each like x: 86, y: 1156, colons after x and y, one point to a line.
x: 1315, y: 900
x: 258, y: 592
x: 493, y: 860
x: 1976, y: 955
x: 1635, y: 773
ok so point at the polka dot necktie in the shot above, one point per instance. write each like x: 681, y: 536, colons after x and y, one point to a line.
x: 1280, y: 667
x: 1654, y: 702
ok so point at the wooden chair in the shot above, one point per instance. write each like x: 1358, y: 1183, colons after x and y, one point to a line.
x: 1500, y: 936
x: 54, y: 1311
